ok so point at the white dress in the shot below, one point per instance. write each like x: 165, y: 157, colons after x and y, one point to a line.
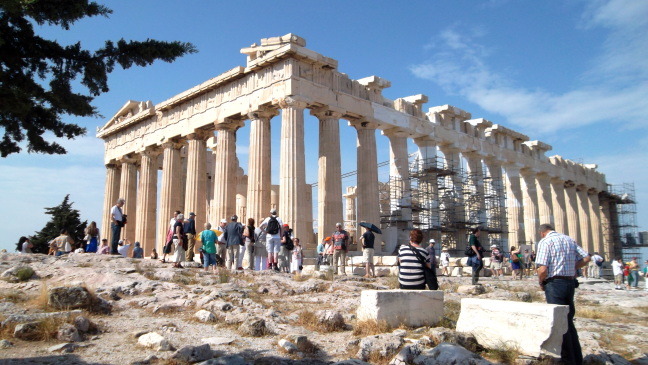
x: 296, y: 259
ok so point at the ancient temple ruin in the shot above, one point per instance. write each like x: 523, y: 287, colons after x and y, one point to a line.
x: 466, y: 171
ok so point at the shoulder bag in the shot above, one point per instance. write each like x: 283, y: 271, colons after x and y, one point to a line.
x: 429, y: 274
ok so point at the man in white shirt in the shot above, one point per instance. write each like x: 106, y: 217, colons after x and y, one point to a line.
x: 124, y: 245
x: 595, y: 266
x: 116, y: 224
x: 617, y: 271
x: 273, y: 239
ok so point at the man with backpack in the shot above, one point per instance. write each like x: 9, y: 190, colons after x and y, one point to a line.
x: 272, y: 227
x: 341, y: 247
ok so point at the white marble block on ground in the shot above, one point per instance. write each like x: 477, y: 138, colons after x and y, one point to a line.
x: 413, y: 308
x: 534, y: 328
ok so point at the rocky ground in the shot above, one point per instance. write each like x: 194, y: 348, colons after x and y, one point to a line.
x: 145, y: 312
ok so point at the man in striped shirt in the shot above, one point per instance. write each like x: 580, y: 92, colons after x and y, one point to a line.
x: 557, y: 260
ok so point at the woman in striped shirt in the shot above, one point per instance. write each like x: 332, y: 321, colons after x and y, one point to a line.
x: 410, y: 273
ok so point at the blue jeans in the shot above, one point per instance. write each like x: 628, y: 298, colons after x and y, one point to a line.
x: 476, y: 265
x: 116, y: 231
x: 635, y: 278
x: 561, y: 291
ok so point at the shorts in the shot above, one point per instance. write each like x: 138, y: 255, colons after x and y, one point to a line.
x: 209, y: 258
x: 445, y: 263
x: 273, y: 245
x: 618, y: 278
x: 496, y: 265
x: 368, y: 255
x: 515, y: 265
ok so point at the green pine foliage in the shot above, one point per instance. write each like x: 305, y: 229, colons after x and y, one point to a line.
x: 63, y: 216
x: 36, y: 73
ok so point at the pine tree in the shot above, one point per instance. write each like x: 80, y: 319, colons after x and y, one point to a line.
x: 63, y: 216
x: 36, y: 74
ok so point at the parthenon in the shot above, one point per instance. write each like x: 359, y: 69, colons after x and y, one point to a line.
x: 508, y: 186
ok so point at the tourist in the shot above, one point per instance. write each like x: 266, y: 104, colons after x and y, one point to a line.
x: 617, y: 271
x: 496, y: 262
x: 558, y: 259
x: 285, y: 254
x: 221, y: 244
x: 328, y: 250
x: 515, y: 263
x: 179, y: 241
x: 410, y: 268
x: 189, y: 227
x: 248, y: 247
x: 633, y: 267
x: 272, y: 227
x: 445, y: 261
x: 233, y: 237
x: 340, y: 248
x: 296, y: 264
x: 63, y: 243
x: 626, y: 275
x: 595, y: 266
x: 138, y: 253
x: 476, y: 261
x: 123, y: 246
x: 260, y: 251
x: 92, y: 237
x: 208, y: 239
x: 104, y: 249
x: 320, y: 254
x: 168, y: 246
x: 645, y: 275
x: 117, y: 222
x: 154, y: 254
x: 24, y: 245
x: 528, y: 263
x: 367, y: 240
x: 432, y: 253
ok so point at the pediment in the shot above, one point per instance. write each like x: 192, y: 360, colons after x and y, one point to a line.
x: 130, y: 110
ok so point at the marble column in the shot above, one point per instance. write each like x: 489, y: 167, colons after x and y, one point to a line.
x: 111, y: 194
x: 329, y: 177
x: 558, y: 205
x: 128, y: 191
x: 196, y: 181
x: 147, y: 200
x: 350, y: 217
x: 606, y: 224
x: 368, y: 202
x: 496, y: 195
x: 476, y: 204
x: 170, y: 196
x: 292, y: 167
x: 225, y: 171
x: 530, y: 203
x: 583, y: 216
x: 452, y: 197
x: 595, y: 221
x: 400, y: 192
x: 259, y: 164
x: 514, y: 205
x: 571, y: 201
x: 545, y: 202
x: 428, y: 194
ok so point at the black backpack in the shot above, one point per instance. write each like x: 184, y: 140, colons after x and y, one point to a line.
x: 289, y: 242
x: 273, y: 225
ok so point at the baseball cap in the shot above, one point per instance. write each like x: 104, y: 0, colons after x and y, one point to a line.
x: 192, y: 213
x: 432, y: 240
x: 223, y: 221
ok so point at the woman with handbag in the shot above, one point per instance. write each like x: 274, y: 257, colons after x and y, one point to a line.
x: 410, y: 269
x: 515, y: 263
x: 92, y: 237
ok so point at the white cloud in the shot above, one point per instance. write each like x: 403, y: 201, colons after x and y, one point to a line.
x: 614, y: 89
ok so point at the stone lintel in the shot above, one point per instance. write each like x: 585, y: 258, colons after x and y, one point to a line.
x: 374, y: 83
x: 450, y: 110
x: 418, y: 99
x: 500, y: 129
x: 480, y: 123
x: 398, y: 307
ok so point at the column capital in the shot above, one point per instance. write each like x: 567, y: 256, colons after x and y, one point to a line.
x: 327, y: 112
x: 130, y: 158
x: 449, y: 148
x: 199, y: 134
x: 592, y: 191
x: 426, y: 141
x: 292, y: 102
x: 363, y: 124
x: 528, y: 171
x: 263, y: 112
x: 512, y: 166
x: 112, y: 165
x: 473, y: 155
x: 581, y: 187
x: 228, y: 124
x: 150, y: 151
x: 569, y: 184
x: 395, y: 133
x: 169, y: 143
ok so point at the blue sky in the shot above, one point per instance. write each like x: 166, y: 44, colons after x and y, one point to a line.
x: 571, y: 74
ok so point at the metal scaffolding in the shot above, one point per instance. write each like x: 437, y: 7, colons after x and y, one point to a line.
x: 623, y: 221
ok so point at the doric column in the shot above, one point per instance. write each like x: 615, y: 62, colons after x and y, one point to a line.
x: 514, y: 205
x: 259, y: 166
x: 595, y: 221
x: 558, y: 205
x: 545, y: 203
x: 495, y: 194
x: 583, y: 216
x: 571, y: 202
x: 475, y: 204
x: 530, y: 201
x: 428, y: 193
x: 128, y: 191
x: 368, y: 199
x: 225, y: 170
x: 453, y: 211
x: 292, y: 167
x: 329, y: 177
x: 350, y: 217
x: 196, y: 181
x: 400, y: 192
x: 147, y: 200
x: 111, y: 194
x: 606, y: 225
x: 170, y: 195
